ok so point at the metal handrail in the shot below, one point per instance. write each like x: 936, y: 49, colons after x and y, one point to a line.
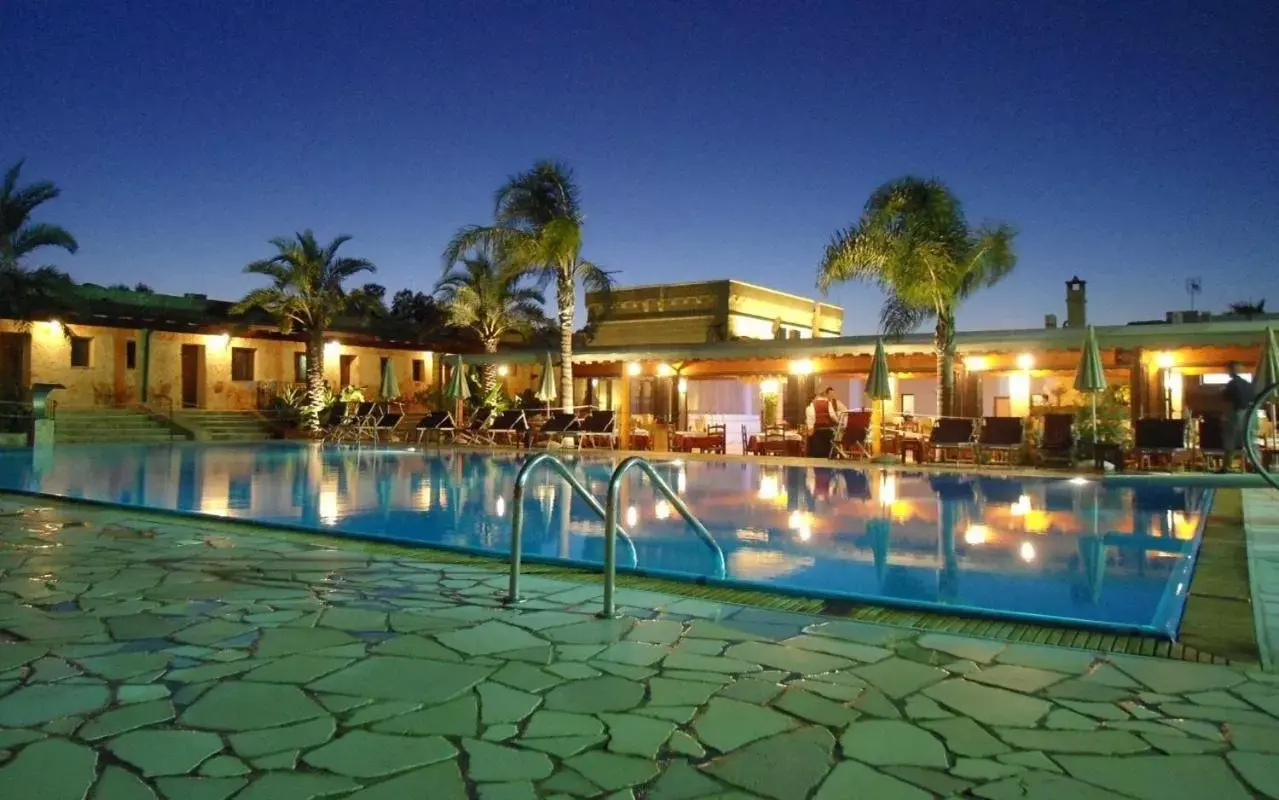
x: 611, y: 527
x: 517, y: 515
x: 1249, y: 439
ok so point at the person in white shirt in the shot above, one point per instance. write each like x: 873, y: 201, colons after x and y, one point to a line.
x: 822, y: 417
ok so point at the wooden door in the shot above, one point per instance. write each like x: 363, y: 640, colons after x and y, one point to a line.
x: 344, y: 371
x: 191, y: 375
x: 15, y: 366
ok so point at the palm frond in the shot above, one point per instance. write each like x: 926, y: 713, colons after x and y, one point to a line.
x: 898, y: 318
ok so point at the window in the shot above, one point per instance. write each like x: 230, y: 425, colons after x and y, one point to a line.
x: 130, y: 354
x: 299, y: 367
x: 242, y: 363
x: 419, y: 370
x: 908, y: 404
x: 80, y: 351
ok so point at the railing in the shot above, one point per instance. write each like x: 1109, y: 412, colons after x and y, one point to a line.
x: 1250, y: 439
x: 517, y: 517
x: 611, y: 528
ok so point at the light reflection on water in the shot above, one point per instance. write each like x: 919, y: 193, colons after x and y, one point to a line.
x: 1055, y: 547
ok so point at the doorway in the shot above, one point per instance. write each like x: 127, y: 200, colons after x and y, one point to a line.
x: 345, y: 363
x: 15, y: 365
x: 192, y: 374
x: 1003, y: 407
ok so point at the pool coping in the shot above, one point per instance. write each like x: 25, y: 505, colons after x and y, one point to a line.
x: 1261, y: 538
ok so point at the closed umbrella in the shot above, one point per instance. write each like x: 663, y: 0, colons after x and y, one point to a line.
x: 1089, y: 377
x: 390, y: 384
x: 877, y: 388
x: 457, y: 389
x: 546, y: 389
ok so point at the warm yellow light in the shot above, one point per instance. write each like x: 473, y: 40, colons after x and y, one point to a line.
x: 887, y: 489
x: 681, y: 482
x: 665, y: 370
x: 1166, y: 360
x: 329, y: 506
x: 1022, y: 507
x: 332, y: 348
x: 802, y: 523
x: 1025, y: 361
x: 632, y: 517
x: 633, y: 368
x: 662, y: 510
x: 769, y: 387
x: 975, y: 363
x: 801, y: 367
x: 503, y: 370
x: 768, y: 487
x: 976, y: 534
x: 1027, y: 552
x: 55, y: 327
x: 221, y: 340
x: 683, y: 385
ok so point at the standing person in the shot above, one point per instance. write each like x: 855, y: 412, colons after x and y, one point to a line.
x: 822, y: 418
x: 1238, y: 394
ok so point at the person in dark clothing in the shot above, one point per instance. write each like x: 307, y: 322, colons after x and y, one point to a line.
x: 822, y: 417
x: 1238, y: 394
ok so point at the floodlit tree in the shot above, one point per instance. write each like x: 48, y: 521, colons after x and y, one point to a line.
x: 914, y: 242
x: 25, y: 290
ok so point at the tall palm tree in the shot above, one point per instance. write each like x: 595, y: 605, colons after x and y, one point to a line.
x: 306, y: 294
x: 538, y: 225
x: 24, y: 290
x: 486, y: 296
x: 914, y: 242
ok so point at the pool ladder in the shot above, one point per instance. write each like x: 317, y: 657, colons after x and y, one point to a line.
x: 1250, y: 438
x: 609, y: 513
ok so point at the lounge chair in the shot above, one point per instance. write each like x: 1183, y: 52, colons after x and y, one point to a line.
x: 850, y: 438
x: 1211, y: 450
x: 473, y: 433
x: 1057, y: 442
x: 364, y: 421
x: 560, y: 425
x: 1158, y: 443
x: 599, y: 425
x: 953, y: 439
x: 509, y: 426
x: 435, y: 422
x: 387, y: 423
x: 1000, y: 439
x: 331, y: 422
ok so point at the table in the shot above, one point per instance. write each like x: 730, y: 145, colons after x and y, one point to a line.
x: 688, y: 441
x: 792, y: 445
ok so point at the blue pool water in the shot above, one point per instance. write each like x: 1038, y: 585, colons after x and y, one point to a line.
x: 1087, y: 552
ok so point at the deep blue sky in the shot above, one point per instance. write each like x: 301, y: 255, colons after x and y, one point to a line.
x: 1133, y: 143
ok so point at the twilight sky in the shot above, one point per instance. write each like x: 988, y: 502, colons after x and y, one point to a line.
x: 1133, y: 143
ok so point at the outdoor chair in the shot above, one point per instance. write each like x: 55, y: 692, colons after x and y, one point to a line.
x: 1211, y: 451
x: 473, y: 433
x: 364, y: 421
x: 560, y: 425
x: 438, y: 423
x: 720, y: 432
x: 331, y: 421
x: 1000, y: 440
x: 1057, y: 442
x: 953, y: 439
x: 599, y: 425
x: 1158, y: 443
x: 850, y: 438
x: 509, y: 426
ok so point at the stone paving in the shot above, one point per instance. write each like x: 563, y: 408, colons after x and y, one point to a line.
x: 146, y: 658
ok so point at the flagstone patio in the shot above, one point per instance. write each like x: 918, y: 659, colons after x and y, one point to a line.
x: 150, y: 658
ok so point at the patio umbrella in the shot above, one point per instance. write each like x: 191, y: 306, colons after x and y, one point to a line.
x: 457, y: 389
x: 1089, y: 377
x: 390, y: 384
x: 877, y: 388
x: 546, y: 389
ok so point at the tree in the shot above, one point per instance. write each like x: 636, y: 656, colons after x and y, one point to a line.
x: 486, y: 297
x: 538, y: 226
x: 914, y: 242
x: 306, y: 294
x: 142, y: 288
x: 25, y: 291
x: 369, y: 299
x: 415, y: 307
x: 1249, y: 309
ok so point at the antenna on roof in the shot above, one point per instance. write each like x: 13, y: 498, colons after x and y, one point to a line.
x: 1193, y: 287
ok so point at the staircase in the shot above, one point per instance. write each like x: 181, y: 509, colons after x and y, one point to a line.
x: 104, y: 425
x: 225, y: 426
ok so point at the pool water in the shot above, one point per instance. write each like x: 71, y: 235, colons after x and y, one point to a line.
x: 1033, y: 548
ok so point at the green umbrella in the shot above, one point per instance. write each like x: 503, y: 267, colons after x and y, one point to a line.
x: 1089, y: 377
x: 877, y: 388
x: 546, y: 389
x: 1267, y: 371
x: 390, y: 384
x: 457, y: 388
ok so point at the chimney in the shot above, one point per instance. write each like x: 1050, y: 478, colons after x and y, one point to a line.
x: 1076, y: 303
x: 1050, y: 321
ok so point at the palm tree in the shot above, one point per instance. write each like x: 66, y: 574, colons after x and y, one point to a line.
x: 485, y: 296
x: 23, y: 290
x: 1249, y: 309
x: 914, y: 242
x: 538, y: 226
x: 305, y: 294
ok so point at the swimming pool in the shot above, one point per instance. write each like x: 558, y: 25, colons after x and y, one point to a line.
x: 1047, y: 549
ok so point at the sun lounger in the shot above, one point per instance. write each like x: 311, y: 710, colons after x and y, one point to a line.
x: 508, y: 426
x: 331, y: 421
x: 1057, y: 442
x: 387, y: 423
x: 600, y: 425
x: 1211, y: 449
x: 953, y: 439
x: 364, y: 421
x: 850, y: 437
x: 1158, y: 443
x: 438, y: 423
x: 1000, y: 440
x: 561, y: 425
x: 473, y: 433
